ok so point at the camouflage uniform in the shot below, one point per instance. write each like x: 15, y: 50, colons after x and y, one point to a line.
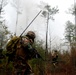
x: 24, y: 52
x: 55, y: 57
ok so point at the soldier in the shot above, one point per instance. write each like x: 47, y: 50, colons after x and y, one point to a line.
x: 55, y: 57
x: 24, y: 52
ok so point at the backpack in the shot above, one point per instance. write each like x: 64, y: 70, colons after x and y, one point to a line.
x: 11, y: 46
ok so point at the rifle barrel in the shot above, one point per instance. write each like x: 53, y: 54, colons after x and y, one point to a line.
x: 30, y: 23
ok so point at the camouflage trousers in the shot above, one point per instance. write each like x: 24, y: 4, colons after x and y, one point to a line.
x: 22, y: 68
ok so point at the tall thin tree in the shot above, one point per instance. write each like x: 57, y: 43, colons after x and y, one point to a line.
x: 48, y: 13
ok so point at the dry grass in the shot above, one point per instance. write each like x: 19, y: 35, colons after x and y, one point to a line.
x: 66, y: 64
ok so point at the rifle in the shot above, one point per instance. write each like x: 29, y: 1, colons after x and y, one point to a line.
x: 30, y: 23
x: 37, y: 55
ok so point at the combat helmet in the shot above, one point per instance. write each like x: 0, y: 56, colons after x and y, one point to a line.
x: 31, y: 35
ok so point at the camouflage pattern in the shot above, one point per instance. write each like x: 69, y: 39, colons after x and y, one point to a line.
x: 23, y: 52
x: 11, y: 44
x: 31, y: 35
x: 55, y: 57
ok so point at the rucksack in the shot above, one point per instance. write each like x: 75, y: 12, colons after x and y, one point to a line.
x: 11, y: 45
